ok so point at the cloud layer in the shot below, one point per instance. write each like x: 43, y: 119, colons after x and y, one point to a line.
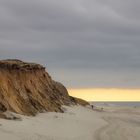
x: 92, y: 43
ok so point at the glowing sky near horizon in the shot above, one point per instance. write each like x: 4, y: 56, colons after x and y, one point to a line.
x: 106, y: 94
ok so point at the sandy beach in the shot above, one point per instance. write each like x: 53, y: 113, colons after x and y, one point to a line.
x: 77, y: 123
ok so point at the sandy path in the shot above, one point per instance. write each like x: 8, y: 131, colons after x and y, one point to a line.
x: 120, y: 126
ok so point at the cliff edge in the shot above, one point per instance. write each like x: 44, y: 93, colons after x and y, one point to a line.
x: 26, y: 88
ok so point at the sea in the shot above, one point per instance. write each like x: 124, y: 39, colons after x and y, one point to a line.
x: 123, y: 104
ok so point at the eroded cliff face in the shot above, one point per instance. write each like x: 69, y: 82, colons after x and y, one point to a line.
x: 26, y: 88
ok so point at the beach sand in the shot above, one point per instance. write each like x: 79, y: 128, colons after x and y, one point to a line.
x: 77, y: 123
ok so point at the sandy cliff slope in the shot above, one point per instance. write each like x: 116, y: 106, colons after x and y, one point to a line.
x: 26, y: 88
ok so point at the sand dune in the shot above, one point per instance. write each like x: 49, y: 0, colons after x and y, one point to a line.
x: 77, y: 123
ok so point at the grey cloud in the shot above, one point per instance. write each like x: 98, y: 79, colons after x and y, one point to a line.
x: 92, y: 43
x: 128, y: 9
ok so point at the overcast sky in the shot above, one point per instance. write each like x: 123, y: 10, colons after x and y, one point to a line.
x: 82, y: 43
